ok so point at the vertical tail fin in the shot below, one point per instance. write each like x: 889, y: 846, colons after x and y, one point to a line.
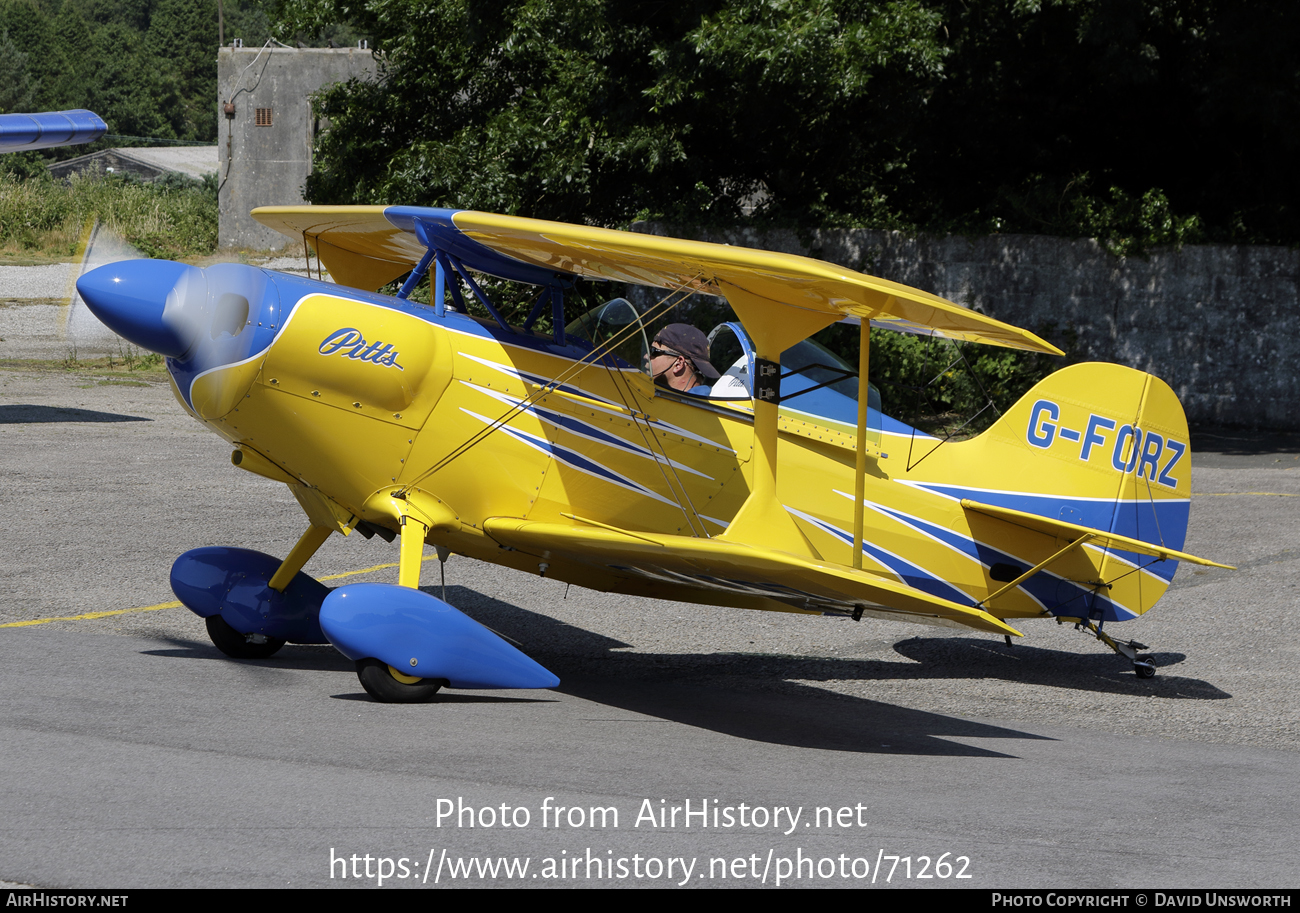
x: 1101, y: 446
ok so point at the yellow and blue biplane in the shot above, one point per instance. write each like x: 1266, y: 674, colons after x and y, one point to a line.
x: 554, y: 453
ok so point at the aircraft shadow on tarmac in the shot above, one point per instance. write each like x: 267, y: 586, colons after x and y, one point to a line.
x: 972, y: 657
x: 765, y: 697
x: 581, y: 652
x: 319, y: 658
x: 29, y: 414
x: 678, y: 689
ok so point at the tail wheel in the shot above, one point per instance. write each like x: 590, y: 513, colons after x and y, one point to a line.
x: 1144, y: 667
x: 389, y: 686
x: 240, y: 646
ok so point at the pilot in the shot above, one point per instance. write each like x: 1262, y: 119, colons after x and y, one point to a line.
x: 679, y: 359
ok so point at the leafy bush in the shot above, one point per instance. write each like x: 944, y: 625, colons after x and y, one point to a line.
x: 173, y: 218
x: 942, y: 387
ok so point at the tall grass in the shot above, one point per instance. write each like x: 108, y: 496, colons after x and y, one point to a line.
x: 173, y: 218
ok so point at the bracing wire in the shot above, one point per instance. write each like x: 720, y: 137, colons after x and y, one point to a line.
x: 651, y: 442
x: 665, y: 304
x: 951, y: 433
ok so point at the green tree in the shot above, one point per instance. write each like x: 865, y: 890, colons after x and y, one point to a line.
x: 603, y: 111
x: 17, y: 87
x: 1124, y: 119
x: 1138, y: 121
x: 148, y: 67
x: 802, y: 110
x: 181, y: 44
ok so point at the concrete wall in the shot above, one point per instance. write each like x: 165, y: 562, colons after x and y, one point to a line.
x: 267, y: 166
x: 1219, y: 323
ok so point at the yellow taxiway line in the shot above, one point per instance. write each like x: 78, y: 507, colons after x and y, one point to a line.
x: 175, y: 604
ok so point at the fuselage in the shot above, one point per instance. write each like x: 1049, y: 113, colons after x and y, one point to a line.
x: 360, y: 399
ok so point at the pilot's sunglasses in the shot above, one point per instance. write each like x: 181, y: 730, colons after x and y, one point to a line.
x: 655, y: 353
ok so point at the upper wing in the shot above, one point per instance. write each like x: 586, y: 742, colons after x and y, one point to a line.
x: 699, y: 569
x: 357, y: 244
x: 369, y: 241
x: 25, y: 132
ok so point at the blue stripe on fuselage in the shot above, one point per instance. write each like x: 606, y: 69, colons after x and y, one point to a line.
x: 1162, y: 522
x: 1055, y: 593
x: 911, y: 574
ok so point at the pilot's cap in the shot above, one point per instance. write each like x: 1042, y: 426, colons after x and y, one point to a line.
x: 687, y: 340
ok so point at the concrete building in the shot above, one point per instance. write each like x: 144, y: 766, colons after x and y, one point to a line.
x: 267, y: 128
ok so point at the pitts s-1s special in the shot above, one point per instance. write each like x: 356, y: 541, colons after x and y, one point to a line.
x: 782, y: 486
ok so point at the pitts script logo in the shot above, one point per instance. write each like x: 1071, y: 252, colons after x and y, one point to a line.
x: 351, y: 344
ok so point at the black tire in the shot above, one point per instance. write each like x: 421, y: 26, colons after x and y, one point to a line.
x: 1145, y: 667
x: 377, y: 678
x: 236, y: 645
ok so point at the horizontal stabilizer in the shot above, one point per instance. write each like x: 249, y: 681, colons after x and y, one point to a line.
x: 1070, y: 531
x: 707, y: 566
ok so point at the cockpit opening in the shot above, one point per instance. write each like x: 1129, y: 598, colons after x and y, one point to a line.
x: 814, y: 380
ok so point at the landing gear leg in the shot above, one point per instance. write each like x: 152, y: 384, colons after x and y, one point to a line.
x: 443, y: 554
x: 307, y: 546
x: 1143, y: 666
x: 412, y: 552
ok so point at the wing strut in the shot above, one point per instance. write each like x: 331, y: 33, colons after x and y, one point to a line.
x: 763, y: 520
x: 988, y: 600
x: 860, y: 471
x: 416, y: 275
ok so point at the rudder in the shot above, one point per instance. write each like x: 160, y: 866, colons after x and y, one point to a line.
x: 1107, y: 447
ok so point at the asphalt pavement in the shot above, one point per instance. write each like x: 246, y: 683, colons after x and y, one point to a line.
x: 135, y: 755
